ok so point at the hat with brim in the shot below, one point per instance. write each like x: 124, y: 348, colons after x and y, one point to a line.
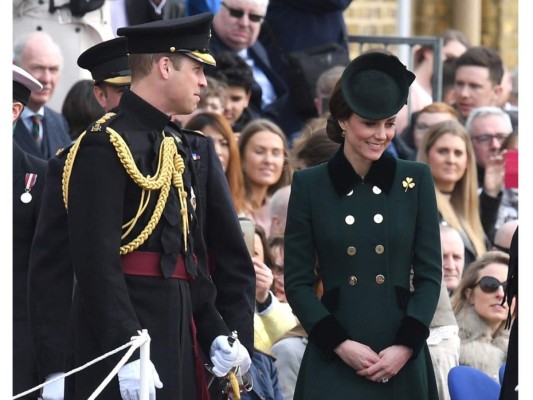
x: 375, y: 85
x: 23, y: 85
x: 108, y: 62
x: 186, y: 35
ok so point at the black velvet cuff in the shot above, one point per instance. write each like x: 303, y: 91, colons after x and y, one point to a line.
x: 328, y: 334
x: 413, y: 334
x: 263, y: 306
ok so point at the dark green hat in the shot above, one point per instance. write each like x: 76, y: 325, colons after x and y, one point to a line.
x: 375, y: 85
x: 187, y: 35
x: 108, y: 62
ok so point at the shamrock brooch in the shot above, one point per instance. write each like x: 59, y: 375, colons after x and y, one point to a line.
x: 408, y: 183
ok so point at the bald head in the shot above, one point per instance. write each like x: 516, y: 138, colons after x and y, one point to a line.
x: 278, y: 210
x: 504, y: 234
x: 41, y: 56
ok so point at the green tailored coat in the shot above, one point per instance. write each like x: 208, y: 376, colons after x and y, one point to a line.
x: 366, y: 234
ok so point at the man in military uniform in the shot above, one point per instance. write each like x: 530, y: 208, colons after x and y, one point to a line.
x: 108, y: 63
x: 51, y: 275
x: 130, y: 188
x: 229, y: 261
x: 28, y: 179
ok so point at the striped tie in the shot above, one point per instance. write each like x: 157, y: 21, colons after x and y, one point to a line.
x: 37, y: 119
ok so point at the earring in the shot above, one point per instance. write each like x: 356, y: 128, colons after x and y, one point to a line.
x: 343, y: 134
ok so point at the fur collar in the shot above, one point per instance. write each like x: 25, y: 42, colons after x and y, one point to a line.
x: 479, y: 348
x: 345, y: 178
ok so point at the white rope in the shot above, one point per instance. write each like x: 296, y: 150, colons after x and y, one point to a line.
x: 134, y: 343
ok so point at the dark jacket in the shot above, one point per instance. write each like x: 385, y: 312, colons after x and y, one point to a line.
x: 55, y: 135
x: 261, y: 59
x: 265, y: 379
x: 228, y: 259
x: 367, y: 235
x: 24, y: 221
x: 235, y: 277
x: 110, y: 307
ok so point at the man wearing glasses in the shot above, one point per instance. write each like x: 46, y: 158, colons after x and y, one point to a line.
x: 488, y: 127
x: 236, y: 28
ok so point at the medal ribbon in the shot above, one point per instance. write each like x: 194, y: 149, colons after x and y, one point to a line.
x: 29, y: 181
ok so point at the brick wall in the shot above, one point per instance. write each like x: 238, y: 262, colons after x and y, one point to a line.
x: 430, y: 17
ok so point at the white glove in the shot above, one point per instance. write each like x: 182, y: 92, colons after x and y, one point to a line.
x: 56, y: 389
x: 225, y: 356
x: 129, y: 378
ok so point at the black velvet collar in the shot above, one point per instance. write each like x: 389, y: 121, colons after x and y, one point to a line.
x: 345, y: 178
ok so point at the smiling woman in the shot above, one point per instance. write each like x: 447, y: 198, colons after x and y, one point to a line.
x: 448, y: 151
x: 481, y: 315
x: 264, y: 155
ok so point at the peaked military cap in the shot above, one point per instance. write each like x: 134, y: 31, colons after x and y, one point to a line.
x: 23, y: 85
x: 187, y: 35
x: 108, y: 62
x: 375, y: 85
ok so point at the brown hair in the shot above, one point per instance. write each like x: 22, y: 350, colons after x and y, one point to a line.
x: 249, y: 130
x: 462, y: 210
x: 234, y: 169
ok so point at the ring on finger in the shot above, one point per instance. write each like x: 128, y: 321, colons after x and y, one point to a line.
x: 384, y: 380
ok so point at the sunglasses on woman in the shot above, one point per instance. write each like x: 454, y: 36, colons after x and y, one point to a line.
x: 488, y: 284
x: 238, y: 13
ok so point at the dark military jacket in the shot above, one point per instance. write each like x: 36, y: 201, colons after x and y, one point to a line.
x: 25, y: 216
x: 109, y: 307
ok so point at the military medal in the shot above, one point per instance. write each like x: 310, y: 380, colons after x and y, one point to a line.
x: 29, y: 182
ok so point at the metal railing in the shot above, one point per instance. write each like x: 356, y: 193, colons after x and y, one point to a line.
x: 387, y: 41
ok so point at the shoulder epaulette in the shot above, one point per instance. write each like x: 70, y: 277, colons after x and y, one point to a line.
x: 191, y: 132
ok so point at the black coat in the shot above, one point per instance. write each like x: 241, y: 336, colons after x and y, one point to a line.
x: 109, y: 307
x: 235, y: 276
x: 24, y: 221
x: 258, y: 53
x: 229, y: 261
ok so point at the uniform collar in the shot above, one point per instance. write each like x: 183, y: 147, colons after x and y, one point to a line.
x: 149, y: 115
x: 345, y: 178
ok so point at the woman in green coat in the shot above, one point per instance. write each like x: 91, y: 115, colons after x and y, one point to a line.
x: 372, y: 222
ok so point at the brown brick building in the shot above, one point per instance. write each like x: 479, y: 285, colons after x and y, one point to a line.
x: 491, y: 23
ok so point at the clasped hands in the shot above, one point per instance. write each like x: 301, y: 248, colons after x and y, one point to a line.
x: 371, y: 365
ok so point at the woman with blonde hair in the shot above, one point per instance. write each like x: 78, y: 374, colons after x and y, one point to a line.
x: 218, y: 128
x: 264, y: 154
x: 449, y: 152
x: 481, y: 313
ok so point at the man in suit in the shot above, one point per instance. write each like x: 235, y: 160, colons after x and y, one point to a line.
x: 236, y: 28
x: 42, y: 131
x: 28, y: 180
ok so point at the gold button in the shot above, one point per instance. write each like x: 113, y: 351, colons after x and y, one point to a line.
x: 350, y: 193
x: 378, y: 218
x: 376, y: 190
x: 380, y: 249
x: 380, y: 279
x: 350, y: 219
x: 352, y: 280
x: 351, y: 250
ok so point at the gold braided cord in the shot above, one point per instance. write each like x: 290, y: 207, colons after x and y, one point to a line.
x: 69, y: 161
x: 169, y: 171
